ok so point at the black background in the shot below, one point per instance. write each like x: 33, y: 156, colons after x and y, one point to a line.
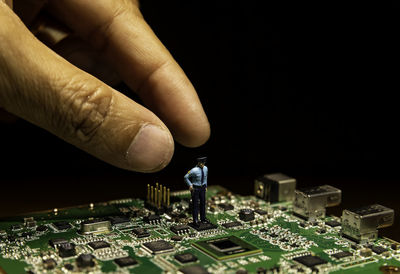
x: 309, y: 91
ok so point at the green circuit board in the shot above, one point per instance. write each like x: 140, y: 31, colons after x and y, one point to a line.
x: 127, y: 236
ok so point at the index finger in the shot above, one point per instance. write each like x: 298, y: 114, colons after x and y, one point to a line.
x: 118, y: 30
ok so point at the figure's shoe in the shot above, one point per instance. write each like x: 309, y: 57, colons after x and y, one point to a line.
x: 196, y: 223
x: 206, y: 221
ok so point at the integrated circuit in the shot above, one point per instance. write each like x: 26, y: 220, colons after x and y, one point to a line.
x: 117, y: 220
x: 378, y: 249
x: 140, y: 232
x: 185, y: 258
x: 180, y: 229
x: 98, y: 244
x: 232, y: 224
x: 62, y: 225
x: 57, y: 241
x: 310, y: 260
x: 226, y: 207
x: 342, y: 254
x: 125, y: 261
x: 157, y: 247
x: 226, y: 247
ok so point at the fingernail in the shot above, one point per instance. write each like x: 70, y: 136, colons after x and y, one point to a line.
x: 151, y: 149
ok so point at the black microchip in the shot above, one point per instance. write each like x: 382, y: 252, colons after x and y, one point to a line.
x: 66, y: 250
x: 41, y: 228
x: 62, y: 225
x: 193, y: 269
x: 159, y: 246
x: 261, y: 212
x: 118, y: 220
x: 232, y: 224
x: 99, y: 244
x: 57, y: 241
x: 333, y: 223
x: 310, y: 260
x: 140, y: 232
x: 185, y: 258
x: 179, y: 229
x: 125, y: 261
x: 378, y: 249
x: 342, y: 254
x: 152, y: 218
x: 226, y: 207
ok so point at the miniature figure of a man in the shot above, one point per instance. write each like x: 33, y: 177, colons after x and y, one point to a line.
x: 196, y: 179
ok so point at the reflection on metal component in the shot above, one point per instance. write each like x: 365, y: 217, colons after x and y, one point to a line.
x: 311, y: 203
x: 276, y: 187
x: 361, y: 225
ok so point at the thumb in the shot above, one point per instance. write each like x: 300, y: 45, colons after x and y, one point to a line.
x: 41, y: 87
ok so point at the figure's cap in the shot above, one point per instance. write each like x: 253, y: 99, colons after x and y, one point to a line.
x: 202, y: 160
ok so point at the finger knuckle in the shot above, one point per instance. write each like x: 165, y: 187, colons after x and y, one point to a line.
x: 100, y: 35
x: 86, y: 108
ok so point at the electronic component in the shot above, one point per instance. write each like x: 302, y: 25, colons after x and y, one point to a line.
x: 185, y: 258
x: 177, y: 238
x: 310, y: 260
x: 140, y: 232
x: 125, y: 261
x: 85, y: 260
x: 226, y: 207
x: 361, y: 225
x: 49, y: 264
x: 311, y: 203
x: 29, y: 222
x: 246, y: 215
x: 95, y: 226
x: 273, y: 242
x: 157, y: 247
x: 66, y: 250
x: 57, y: 241
x: 98, y: 244
x: 62, y: 225
x: 274, y: 188
x: 378, y: 249
x: 152, y: 219
x: 232, y: 224
x: 41, y: 228
x: 117, y: 220
x: 203, y: 226
x: 333, y: 223
x: 193, y: 269
x: 226, y: 247
x: 180, y: 229
x: 261, y: 212
x: 366, y: 252
x: 342, y: 254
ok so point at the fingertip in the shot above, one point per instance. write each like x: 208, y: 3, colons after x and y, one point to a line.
x: 196, y: 136
x: 151, y: 149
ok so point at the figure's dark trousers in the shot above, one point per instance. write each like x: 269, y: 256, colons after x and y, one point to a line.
x: 199, y: 199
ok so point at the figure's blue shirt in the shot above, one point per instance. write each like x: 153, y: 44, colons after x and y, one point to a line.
x: 193, y: 177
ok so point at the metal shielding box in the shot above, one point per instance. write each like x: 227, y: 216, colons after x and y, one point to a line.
x: 362, y: 224
x: 275, y: 188
x: 311, y: 203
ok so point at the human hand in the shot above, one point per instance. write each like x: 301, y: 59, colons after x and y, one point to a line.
x: 190, y: 188
x: 40, y: 86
